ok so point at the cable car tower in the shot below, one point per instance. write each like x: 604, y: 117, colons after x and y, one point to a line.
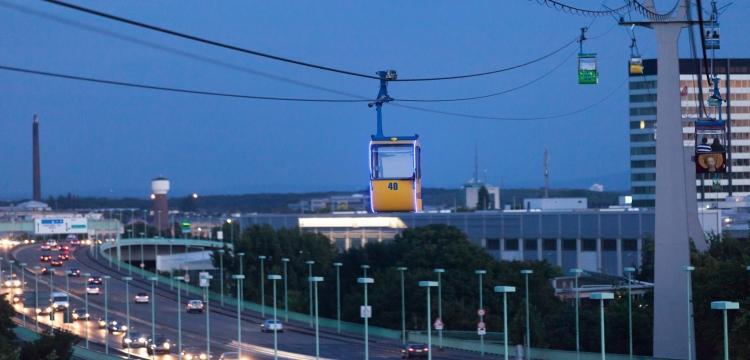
x: 395, y: 170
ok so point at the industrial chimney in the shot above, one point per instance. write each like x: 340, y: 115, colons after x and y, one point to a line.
x: 159, y: 189
x: 37, y: 195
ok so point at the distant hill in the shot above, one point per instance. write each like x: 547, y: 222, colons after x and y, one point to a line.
x: 279, y: 202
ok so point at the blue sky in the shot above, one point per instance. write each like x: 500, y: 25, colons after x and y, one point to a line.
x: 102, y: 140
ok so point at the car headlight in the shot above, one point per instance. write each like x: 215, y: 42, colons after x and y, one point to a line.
x: 128, y: 341
x: 189, y: 356
x: 124, y: 327
x: 38, y: 311
x: 204, y: 357
x: 142, y: 340
x: 166, y: 345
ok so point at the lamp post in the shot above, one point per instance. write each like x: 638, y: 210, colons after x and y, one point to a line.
x: 205, y: 284
x: 262, y: 286
x: 364, y: 269
x: 688, y: 272
x: 481, y: 273
x: 242, y: 272
x: 23, y: 286
x: 427, y: 285
x: 577, y: 273
x: 526, y: 273
x: 106, y: 309
x: 402, y: 270
x: 231, y: 231
x: 285, y: 262
x: 179, y: 279
x: 221, y: 274
x: 439, y: 272
x: 309, y: 288
x: 153, y: 279
x: 238, y: 279
x: 601, y: 296
x: 36, y: 296
x: 505, y: 290
x: 315, y: 280
x: 86, y: 307
x: 724, y: 306
x: 145, y: 230
x: 51, y: 289
x: 366, y: 313
x: 338, y: 265
x: 629, y: 271
x: 127, y: 280
x: 273, y: 279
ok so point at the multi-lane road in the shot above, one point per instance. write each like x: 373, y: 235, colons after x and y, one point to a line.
x: 296, y: 342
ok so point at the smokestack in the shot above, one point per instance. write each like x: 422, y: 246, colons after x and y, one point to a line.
x: 37, y: 174
x: 159, y: 190
x: 546, y: 173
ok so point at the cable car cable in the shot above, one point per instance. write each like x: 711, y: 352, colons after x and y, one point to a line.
x: 173, y: 51
x: 703, y: 40
x: 289, y: 60
x: 543, y: 117
x: 506, y: 91
x: 645, y: 11
x: 573, y: 10
x: 171, y: 89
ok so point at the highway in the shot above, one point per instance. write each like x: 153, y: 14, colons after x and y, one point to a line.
x: 297, y: 342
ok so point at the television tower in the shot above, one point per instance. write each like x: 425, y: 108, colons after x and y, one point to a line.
x: 36, y: 171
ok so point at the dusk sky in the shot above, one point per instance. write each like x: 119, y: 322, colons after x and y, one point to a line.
x: 111, y: 141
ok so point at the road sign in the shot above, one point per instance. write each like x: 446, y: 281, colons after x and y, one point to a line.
x: 186, y: 278
x: 204, y: 278
x: 365, y: 311
x: 438, y: 324
x: 481, y: 312
x: 220, y: 235
x: 481, y: 328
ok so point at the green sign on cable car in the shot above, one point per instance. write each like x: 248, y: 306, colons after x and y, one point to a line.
x: 587, y: 72
x: 185, y: 225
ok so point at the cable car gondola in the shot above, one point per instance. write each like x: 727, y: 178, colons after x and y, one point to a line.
x: 710, y: 146
x: 635, y: 64
x: 587, y: 69
x: 395, y: 171
x: 713, y: 36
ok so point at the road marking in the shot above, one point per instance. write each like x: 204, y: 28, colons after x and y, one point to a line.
x: 269, y: 351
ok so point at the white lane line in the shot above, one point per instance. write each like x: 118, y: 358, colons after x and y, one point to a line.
x: 269, y: 351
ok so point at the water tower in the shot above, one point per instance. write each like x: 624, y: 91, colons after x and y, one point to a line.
x: 159, y: 190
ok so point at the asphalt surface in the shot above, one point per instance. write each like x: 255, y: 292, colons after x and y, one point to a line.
x: 297, y: 342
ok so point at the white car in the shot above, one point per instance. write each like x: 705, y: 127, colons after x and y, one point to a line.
x: 194, y: 306
x: 271, y: 325
x: 60, y: 301
x: 12, y: 281
x: 92, y: 289
x: 141, y: 298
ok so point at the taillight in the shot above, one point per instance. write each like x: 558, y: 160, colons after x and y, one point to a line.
x: 426, y: 349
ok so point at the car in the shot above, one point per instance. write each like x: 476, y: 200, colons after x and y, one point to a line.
x: 95, y: 280
x: 55, y: 248
x: 193, y: 353
x: 101, y: 323
x: 270, y: 325
x: 44, y: 310
x: 63, y: 257
x: 51, y: 242
x: 116, y: 327
x: 17, y: 298
x: 194, y: 306
x: 44, y: 247
x: 75, y: 242
x: 158, y: 345
x: 415, y: 351
x: 74, y: 272
x: 65, y: 249
x: 45, y: 258
x: 92, y: 289
x: 80, y: 315
x: 133, y: 339
x: 60, y: 300
x: 231, y: 355
x: 12, y: 281
x: 141, y: 298
x: 56, y: 263
x: 48, y: 271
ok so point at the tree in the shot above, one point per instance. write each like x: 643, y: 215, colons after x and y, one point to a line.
x: 55, y: 346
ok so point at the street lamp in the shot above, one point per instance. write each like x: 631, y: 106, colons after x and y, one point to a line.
x: 309, y: 288
x: 127, y: 280
x: 273, y: 279
x: 262, y: 286
x: 179, y: 279
x: 577, y: 272
x: 688, y: 272
x: 36, y: 296
x: 285, y: 261
x: 481, y: 273
x: 238, y: 279
x: 51, y: 289
x: 724, y: 306
x: 401, y: 270
x: 505, y: 290
x: 338, y: 265
x: 242, y: 272
x: 427, y: 285
x: 601, y: 296
x: 439, y: 272
x: 23, y: 286
x: 221, y: 274
x: 366, y: 313
x: 364, y: 269
x: 629, y: 271
x: 315, y: 280
x: 526, y: 273
x: 106, y: 310
x: 231, y: 230
x: 86, y: 301
x: 153, y: 279
x: 205, y: 284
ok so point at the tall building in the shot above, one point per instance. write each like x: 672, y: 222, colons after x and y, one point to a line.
x: 643, y: 128
x: 36, y: 171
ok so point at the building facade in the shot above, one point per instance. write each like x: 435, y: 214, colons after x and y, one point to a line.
x: 734, y: 75
x: 603, y: 240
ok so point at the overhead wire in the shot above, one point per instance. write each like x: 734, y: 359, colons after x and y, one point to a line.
x: 574, y: 10
x: 503, y: 118
x: 703, y: 40
x: 170, y: 89
x: 294, y: 61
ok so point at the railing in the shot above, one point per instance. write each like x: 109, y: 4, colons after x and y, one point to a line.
x: 29, y: 335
